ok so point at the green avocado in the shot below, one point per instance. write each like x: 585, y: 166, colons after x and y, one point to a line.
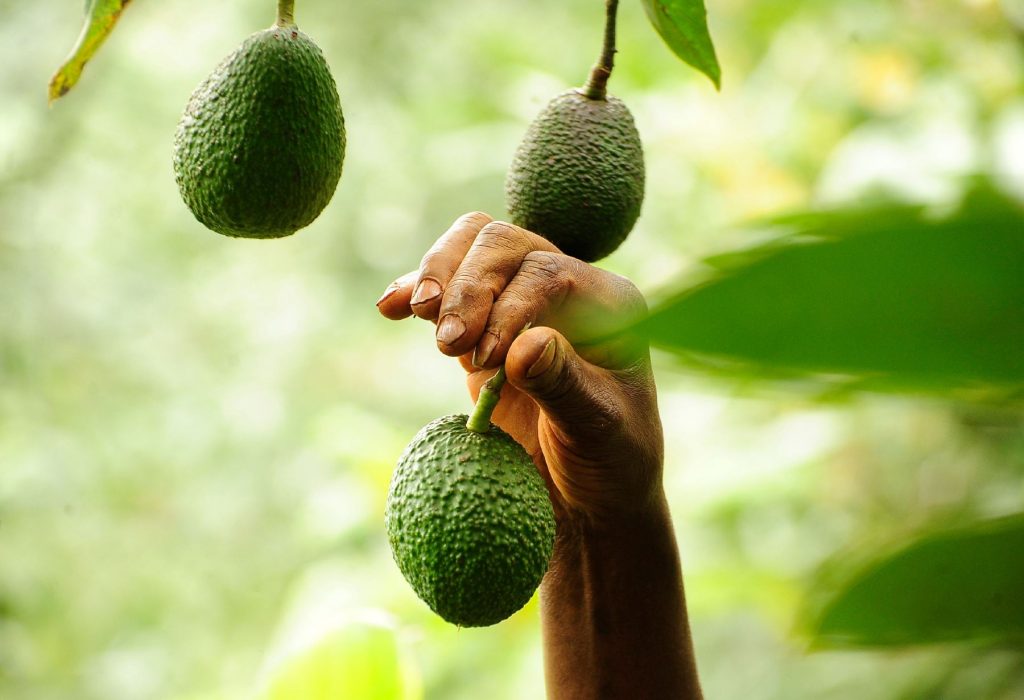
x: 259, y: 149
x: 578, y: 176
x: 470, y: 523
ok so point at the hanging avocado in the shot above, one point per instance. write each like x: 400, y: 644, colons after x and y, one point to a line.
x: 578, y: 176
x: 259, y: 149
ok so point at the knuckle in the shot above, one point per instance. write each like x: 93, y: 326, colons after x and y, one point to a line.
x: 474, y: 280
x: 463, y: 292
x: 543, y: 265
x: 478, y: 218
x: 499, y: 235
x: 544, y: 272
x: 630, y: 297
x: 514, y: 301
x: 432, y: 259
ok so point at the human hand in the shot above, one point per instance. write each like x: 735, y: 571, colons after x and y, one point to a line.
x: 582, y: 402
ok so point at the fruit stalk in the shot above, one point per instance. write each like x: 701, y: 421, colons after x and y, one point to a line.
x: 285, y: 13
x: 597, y: 83
x: 480, y: 420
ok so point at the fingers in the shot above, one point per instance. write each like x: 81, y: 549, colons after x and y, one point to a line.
x: 539, y: 286
x: 580, y: 399
x: 419, y: 292
x: 394, y: 302
x: 483, y: 281
x: 494, y: 259
x: 583, y: 302
x: 441, y: 262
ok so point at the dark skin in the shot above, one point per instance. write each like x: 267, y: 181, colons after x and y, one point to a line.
x: 612, y: 605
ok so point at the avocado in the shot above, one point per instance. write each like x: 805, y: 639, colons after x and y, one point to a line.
x: 259, y: 149
x: 470, y: 523
x: 578, y: 176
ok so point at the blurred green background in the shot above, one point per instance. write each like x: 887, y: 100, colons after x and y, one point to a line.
x: 197, y: 433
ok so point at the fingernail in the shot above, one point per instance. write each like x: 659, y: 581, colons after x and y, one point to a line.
x: 543, y: 363
x: 450, y: 329
x: 387, y: 292
x: 425, y: 291
x: 484, y: 349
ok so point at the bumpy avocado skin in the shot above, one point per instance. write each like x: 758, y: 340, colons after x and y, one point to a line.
x: 259, y: 149
x: 470, y: 523
x: 578, y: 176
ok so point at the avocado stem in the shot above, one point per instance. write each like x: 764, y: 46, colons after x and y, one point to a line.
x: 490, y: 392
x: 597, y: 84
x: 285, y: 13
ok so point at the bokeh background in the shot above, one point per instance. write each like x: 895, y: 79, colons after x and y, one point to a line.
x: 197, y: 433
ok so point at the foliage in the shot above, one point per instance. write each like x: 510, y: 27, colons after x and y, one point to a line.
x: 947, y: 585
x: 196, y: 434
x: 100, y: 18
x: 886, y: 295
x: 359, y: 660
x: 683, y: 25
x: 891, y: 298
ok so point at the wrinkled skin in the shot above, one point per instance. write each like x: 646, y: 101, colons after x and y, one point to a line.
x: 582, y: 401
x: 588, y: 416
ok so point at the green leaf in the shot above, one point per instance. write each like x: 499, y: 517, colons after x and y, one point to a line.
x: 960, y: 584
x: 885, y: 297
x: 100, y: 18
x: 683, y: 25
x: 360, y: 662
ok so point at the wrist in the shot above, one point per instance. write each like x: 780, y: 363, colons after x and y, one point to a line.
x: 622, y: 512
x: 611, y: 534
x: 622, y: 519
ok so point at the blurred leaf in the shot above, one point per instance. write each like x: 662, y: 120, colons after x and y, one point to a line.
x: 683, y: 24
x: 358, y: 662
x: 100, y: 18
x: 958, y: 584
x: 889, y: 298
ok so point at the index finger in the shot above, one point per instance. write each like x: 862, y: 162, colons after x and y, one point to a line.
x: 407, y: 295
x: 441, y: 262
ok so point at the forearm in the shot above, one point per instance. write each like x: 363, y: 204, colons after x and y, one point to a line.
x: 614, y: 613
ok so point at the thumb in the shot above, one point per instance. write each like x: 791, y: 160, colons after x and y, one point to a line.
x: 578, y: 397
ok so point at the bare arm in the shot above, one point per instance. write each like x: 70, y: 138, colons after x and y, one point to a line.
x: 614, y: 615
x: 613, y: 611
